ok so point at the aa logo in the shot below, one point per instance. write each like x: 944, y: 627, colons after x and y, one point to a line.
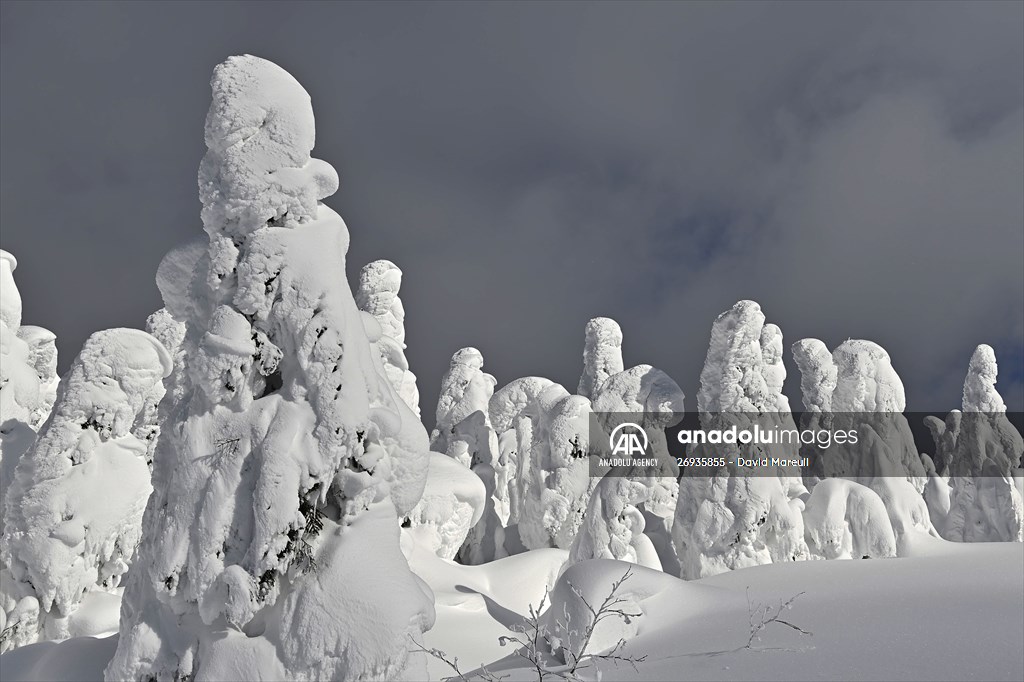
x: 628, y: 439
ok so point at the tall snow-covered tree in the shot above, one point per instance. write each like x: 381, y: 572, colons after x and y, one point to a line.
x: 28, y: 377
x: 868, y: 398
x: 511, y: 410
x: 741, y: 517
x: 980, y: 449
x: 379, y: 283
x: 463, y: 430
x: 74, y: 509
x: 271, y: 542
x: 602, y: 354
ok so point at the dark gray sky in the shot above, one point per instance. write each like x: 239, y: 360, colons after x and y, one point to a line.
x: 856, y: 168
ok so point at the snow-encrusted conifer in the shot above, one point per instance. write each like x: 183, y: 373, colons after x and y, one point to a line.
x: 868, y: 399
x: 818, y: 374
x: 453, y: 502
x: 28, y: 377
x: 739, y: 517
x: 558, y: 480
x: 602, y: 354
x: 379, y: 283
x: 613, y: 527
x: 847, y: 520
x: 512, y: 414
x: 463, y: 430
x: 42, y: 351
x: 271, y: 542
x: 981, y: 449
x: 626, y: 512
x: 74, y: 510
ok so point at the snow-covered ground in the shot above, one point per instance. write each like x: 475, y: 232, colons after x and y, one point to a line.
x: 948, y: 612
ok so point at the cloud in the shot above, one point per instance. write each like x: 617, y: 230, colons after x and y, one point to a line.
x: 855, y: 167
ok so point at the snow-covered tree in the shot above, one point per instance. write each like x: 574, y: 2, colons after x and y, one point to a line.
x: 847, y: 520
x: 453, y: 502
x: 648, y: 397
x: 271, y: 542
x: 980, y: 449
x: 602, y: 354
x: 42, y: 352
x: 613, y: 527
x: 868, y: 398
x: 558, y: 480
x: 511, y: 410
x: 741, y: 517
x: 28, y: 377
x: 74, y: 509
x: 463, y: 430
x: 379, y: 283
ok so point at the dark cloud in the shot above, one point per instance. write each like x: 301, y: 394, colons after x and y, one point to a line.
x: 856, y: 168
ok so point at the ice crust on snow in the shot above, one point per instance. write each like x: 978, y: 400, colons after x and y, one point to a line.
x: 377, y: 295
x: 75, y: 506
x: 287, y: 458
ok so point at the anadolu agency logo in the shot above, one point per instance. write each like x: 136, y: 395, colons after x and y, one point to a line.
x: 629, y: 446
x: 628, y: 440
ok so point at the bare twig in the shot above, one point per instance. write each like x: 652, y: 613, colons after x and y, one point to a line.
x: 483, y: 673
x: 763, y: 615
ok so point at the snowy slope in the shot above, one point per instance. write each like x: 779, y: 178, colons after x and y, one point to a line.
x: 950, y: 612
